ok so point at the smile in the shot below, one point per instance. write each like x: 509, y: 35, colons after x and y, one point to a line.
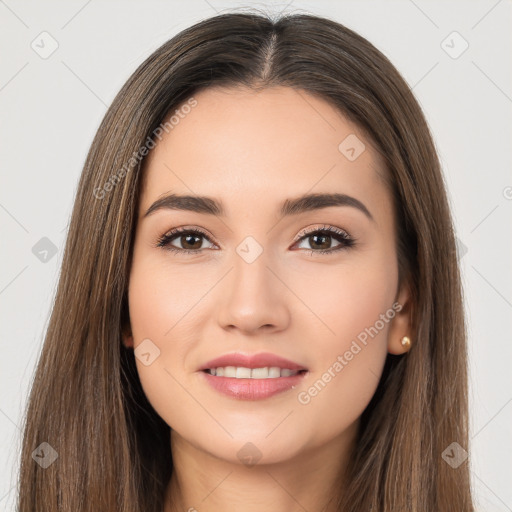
x: 240, y: 372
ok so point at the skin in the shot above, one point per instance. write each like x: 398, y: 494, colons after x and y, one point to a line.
x: 252, y: 151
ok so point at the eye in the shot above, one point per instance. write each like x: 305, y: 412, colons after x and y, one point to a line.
x: 190, y: 240
x: 321, y: 238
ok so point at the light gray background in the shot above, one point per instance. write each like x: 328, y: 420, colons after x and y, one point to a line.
x: 50, y: 109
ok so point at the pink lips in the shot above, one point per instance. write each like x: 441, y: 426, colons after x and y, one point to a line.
x: 252, y: 389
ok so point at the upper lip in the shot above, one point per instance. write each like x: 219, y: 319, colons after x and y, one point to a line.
x: 261, y: 360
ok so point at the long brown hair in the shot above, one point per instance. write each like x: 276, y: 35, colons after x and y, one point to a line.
x: 86, y: 400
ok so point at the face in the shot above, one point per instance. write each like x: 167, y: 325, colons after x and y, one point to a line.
x: 263, y: 276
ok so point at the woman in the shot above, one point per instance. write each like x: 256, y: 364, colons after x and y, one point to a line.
x: 259, y: 306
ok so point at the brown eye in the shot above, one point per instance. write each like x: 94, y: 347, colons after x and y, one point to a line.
x: 320, y: 240
x: 190, y: 240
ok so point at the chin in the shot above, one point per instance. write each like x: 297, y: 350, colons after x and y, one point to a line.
x: 251, y: 448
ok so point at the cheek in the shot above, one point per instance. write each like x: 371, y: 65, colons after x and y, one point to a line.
x: 343, y: 300
x: 354, y: 304
x: 164, y: 299
x: 169, y: 305
x: 158, y: 303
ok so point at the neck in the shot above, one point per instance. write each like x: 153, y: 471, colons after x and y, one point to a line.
x: 312, y: 480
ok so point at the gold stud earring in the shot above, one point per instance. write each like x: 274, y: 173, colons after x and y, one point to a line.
x: 406, y: 342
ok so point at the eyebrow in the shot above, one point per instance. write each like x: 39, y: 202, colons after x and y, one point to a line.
x: 293, y: 206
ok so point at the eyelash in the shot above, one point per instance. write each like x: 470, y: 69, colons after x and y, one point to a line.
x: 342, y: 236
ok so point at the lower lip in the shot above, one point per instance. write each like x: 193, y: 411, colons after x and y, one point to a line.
x: 252, y: 389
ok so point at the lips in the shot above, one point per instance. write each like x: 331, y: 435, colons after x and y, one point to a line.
x: 269, y: 375
x: 261, y: 360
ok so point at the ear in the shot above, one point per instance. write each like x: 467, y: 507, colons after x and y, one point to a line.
x: 401, y: 325
x: 126, y: 329
x: 127, y: 337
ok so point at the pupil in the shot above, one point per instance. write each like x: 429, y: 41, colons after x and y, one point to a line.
x: 324, y: 243
x: 190, y: 236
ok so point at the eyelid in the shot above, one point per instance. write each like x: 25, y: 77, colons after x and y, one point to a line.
x: 163, y: 241
x: 324, y: 227
x: 188, y: 229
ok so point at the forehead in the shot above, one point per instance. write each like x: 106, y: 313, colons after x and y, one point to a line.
x: 250, y: 147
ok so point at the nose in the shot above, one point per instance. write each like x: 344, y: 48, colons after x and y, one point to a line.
x: 252, y: 298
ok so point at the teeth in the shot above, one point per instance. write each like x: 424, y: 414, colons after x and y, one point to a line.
x: 243, y: 373
x: 240, y: 372
x: 259, y: 373
x: 229, y: 371
x: 274, y: 372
